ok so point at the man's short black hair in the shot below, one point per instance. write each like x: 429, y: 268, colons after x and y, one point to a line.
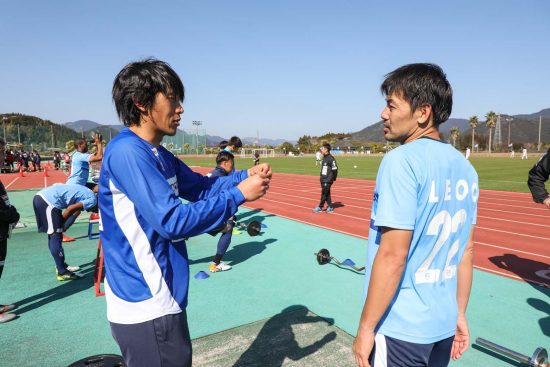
x: 78, y: 142
x: 139, y: 82
x: 420, y: 85
x: 224, y: 156
x: 327, y: 146
x: 235, y: 141
x: 223, y: 144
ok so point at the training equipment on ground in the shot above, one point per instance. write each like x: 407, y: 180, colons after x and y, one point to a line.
x: 538, y: 359
x: 201, y: 275
x: 323, y: 257
x: 253, y: 228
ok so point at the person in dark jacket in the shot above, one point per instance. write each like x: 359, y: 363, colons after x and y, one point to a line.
x: 8, y: 218
x: 329, y: 171
x: 224, y: 167
x: 538, y: 175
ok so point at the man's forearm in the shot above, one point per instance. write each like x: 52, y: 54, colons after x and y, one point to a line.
x: 386, y: 274
x: 464, y: 277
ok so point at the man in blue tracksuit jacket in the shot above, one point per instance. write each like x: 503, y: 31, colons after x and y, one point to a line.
x: 143, y: 221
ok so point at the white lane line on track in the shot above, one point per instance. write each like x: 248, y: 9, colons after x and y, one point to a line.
x: 12, y: 182
x: 513, y: 233
x: 508, y: 275
x: 507, y: 211
x: 514, y: 221
x: 316, y: 198
x: 511, y: 249
x: 310, y: 223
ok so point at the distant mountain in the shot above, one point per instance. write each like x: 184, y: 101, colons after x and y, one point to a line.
x: 523, y: 128
x: 82, y: 125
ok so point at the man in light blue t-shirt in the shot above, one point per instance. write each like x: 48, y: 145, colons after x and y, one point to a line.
x: 420, y: 251
x: 81, y: 159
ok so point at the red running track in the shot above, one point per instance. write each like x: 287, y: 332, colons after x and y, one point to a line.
x: 512, y: 235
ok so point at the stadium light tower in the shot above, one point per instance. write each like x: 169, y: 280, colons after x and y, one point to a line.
x: 509, y: 119
x: 497, y: 139
x: 197, y: 124
x: 4, y: 120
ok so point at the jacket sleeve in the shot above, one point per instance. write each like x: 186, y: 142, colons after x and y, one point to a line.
x: 9, y: 215
x: 156, y: 203
x: 333, y: 170
x: 538, y: 175
x: 194, y: 187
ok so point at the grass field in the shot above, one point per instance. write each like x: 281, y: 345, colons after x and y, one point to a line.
x: 495, y: 173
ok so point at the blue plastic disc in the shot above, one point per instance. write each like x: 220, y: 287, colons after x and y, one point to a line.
x: 348, y: 262
x: 201, y: 275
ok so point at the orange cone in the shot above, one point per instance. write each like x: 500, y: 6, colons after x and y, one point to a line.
x: 21, y: 174
x: 46, y: 172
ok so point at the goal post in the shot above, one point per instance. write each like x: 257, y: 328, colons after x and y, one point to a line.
x: 263, y: 152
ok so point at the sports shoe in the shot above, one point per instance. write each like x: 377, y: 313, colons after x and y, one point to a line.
x: 73, y: 268
x: 5, y: 317
x: 94, y: 216
x: 69, y: 275
x: 236, y: 231
x: 220, y: 267
x: 317, y: 210
x: 330, y: 209
x: 7, y: 308
x: 67, y: 239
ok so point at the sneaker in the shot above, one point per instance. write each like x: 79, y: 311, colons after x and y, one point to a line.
x: 317, y: 210
x: 330, y: 209
x: 220, y: 267
x: 67, y: 239
x: 94, y: 216
x: 7, y: 308
x: 73, y: 268
x: 236, y: 231
x: 5, y: 317
x: 69, y: 275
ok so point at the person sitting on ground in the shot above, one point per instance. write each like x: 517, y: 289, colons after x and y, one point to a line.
x: 8, y: 218
x: 48, y: 205
x: 538, y: 175
x: 224, y: 166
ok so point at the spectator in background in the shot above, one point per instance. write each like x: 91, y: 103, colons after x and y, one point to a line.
x: 524, y: 154
x: 468, y: 151
x: 25, y: 159
x: 10, y: 159
x: 8, y: 218
x: 57, y: 160
x: 318, y: 157
x: 256, y: 158
x: 329, y: 172
x: 538, y: 175
x: 36, y: 160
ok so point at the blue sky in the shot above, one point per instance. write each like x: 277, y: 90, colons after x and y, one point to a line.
x: 285, y: 68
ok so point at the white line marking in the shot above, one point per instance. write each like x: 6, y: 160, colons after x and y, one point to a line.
x: 511, y: 249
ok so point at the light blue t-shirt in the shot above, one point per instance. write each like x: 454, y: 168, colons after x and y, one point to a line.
x: 426, y: 186
x: 80, y: 168
x: 61, y: 196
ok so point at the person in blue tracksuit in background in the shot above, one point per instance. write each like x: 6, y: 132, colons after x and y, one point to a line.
x: 144, y: 223
x: 224, y: 166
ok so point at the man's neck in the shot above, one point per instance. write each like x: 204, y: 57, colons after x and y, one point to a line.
x: 146, y: 134
x: 431, y: 132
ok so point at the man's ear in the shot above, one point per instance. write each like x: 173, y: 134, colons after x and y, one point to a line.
x: 424, y: 114
x: 139, y: 106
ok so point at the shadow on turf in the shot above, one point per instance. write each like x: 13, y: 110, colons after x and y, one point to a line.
x: 500, y: 357
x: 276, y: 340
x: 65, y: 289
x: 526, y: 269
x: 255, y: 214
x: 239, y: 253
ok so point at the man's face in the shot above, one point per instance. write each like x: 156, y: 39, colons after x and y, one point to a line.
x: 324, y: 150
x: 399, y: 121
x: 83, y: 148
x: 227, y: 166
x: 165, y: 115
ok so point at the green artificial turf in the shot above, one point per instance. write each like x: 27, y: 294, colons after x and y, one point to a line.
x: 495, y: 173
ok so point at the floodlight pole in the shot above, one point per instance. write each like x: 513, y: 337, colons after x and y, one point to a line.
x: 197, y: 124
x: 4, y: 119
x: 540, y: 125
x: 509, y: 119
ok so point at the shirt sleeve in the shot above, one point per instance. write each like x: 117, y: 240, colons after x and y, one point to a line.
x: 89, y: 200
x: 397, y: 193
x: 538, y: 175
x: 135, y: 173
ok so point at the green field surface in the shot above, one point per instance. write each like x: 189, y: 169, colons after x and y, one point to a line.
x: 495, y: 173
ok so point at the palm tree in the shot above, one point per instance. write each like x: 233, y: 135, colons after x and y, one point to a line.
x: 491, y: 121
x: 455, y: 132
x: 473, y: 124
